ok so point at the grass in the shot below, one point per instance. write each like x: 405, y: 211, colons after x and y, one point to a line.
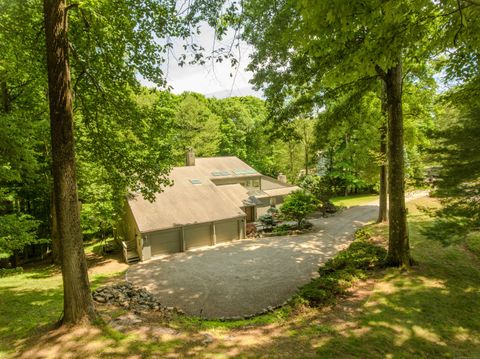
x: 338, y: 274
x: 29, y: 301
x: 354, y: 200
x: 95, y: 246
x: 431, y: 310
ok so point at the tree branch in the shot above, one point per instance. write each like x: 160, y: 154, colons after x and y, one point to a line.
x: 455, y: 38
x: 71, y: 6
x: 380, y: 72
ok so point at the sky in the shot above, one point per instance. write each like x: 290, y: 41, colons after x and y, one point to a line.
x: 211, y: 79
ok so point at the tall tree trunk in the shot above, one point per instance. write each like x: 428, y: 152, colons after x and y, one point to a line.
x: 306, y: 147
x: 382, y: 208
x: 56, y: 242
x: 78, y: 303
x: 398, y: 245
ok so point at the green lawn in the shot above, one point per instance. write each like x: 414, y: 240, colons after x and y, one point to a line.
x: 354, y: 200
x: 29, y: 301
x: 430, y: 311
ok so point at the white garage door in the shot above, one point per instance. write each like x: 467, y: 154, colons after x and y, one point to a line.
x: 165, y: 242
x: 197, y: 236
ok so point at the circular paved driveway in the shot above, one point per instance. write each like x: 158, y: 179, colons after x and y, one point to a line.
x: 246, y: 276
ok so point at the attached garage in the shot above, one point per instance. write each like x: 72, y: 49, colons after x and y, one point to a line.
x: 205, y: 205
x: 226, y: 231
x: 197, y: 236
x: 165, y: 242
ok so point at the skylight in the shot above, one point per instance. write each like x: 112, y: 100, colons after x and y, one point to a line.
x: 244, y: 171
x: 220, y: 173
x: 195, y: 181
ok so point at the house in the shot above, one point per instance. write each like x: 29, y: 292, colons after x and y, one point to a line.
x: 209, y: 203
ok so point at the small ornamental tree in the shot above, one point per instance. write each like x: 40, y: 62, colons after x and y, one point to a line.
x: 267, y: 221
x: 298, y: 205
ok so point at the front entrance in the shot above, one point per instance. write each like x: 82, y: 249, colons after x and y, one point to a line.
x: 250, y: 212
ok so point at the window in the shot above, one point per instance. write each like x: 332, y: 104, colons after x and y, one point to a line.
x: 253, y: 183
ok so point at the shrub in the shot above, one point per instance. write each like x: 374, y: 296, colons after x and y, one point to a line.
x: 5, y: 272
x: 298, y: 205
x: 360, y: 255
x: 267, y: 221
x: 340, y: 272
x: 251, y: 230
x: 282, y: 230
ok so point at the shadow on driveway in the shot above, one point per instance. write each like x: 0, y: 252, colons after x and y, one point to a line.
x: 244, y: 277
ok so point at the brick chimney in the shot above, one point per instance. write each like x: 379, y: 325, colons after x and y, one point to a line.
x: 190, y: 157
x: 282, y: 178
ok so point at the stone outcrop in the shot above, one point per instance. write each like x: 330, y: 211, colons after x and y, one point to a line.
x: 129, y: 297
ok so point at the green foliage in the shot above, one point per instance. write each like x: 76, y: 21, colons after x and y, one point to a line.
x: 473, y: 242
x: 267, y: 221
x: 6, y: 272
x: 317, y: 186
x: 457, y: 150
x: 340, y: 272
x: 298, y: 205
x: 360, y: 255
x: 283, y: 229
x: 16, y: 232
x: 197, y: 126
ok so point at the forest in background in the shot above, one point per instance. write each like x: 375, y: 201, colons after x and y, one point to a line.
x: 341, y: 145
x: 329, y: 87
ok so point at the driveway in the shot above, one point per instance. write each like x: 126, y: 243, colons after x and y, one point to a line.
x: 244, y: 277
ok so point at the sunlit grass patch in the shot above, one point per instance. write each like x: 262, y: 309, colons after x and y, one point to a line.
x: 354, y: 200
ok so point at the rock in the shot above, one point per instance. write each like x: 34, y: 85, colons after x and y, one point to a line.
x: 100, y: 299
x: 127, y: 296
x: 126, y: 320
x: 208, y: 339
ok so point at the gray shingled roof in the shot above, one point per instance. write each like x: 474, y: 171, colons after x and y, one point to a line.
x: 194, y: 198
x: 184, y: 203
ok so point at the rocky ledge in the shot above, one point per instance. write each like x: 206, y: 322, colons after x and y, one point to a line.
x: 129, y: 297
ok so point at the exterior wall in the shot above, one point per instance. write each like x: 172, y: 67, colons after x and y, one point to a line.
x: 266, y: 203
x: 129, y: 230
x: 261, y: 210
x: 244, y: 181
x: 127, y: 225
x: 271, y: 183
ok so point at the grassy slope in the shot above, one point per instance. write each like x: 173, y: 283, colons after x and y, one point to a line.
x: 354, y: 200
x: 430, y: 311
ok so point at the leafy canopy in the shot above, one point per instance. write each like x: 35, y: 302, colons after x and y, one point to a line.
x: 298, y: 205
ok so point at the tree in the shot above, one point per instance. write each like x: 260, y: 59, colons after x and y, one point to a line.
x: 78, y: 303
x: 457, y: 151
x: 298, y: 205
x: 308, y: 51
x: 105, y: 68
x: 16, y: 232
x: 196, y: 125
